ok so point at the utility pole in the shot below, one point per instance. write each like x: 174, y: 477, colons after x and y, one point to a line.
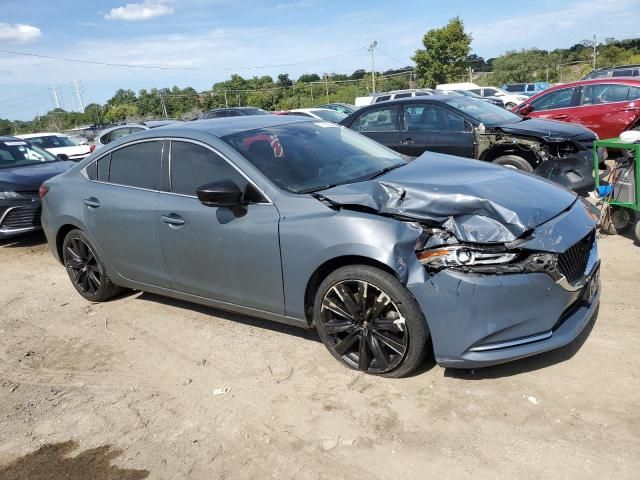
x: 164, y: 107
x: 226, y: 100
x: 56, y: 100
x: 595, y: 51
x: 80, y: 102
x: 470, y: 75
x: 311, y: 85
x: 326, y: 85
x: 373, y: 64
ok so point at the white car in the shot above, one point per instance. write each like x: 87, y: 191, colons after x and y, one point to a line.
x: 58, y: 144
x: 319, y: 113
x: 509, y: 100
x: 116, y: 132
x: 393, y: 95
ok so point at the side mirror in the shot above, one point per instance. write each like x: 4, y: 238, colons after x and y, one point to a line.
x: 525, y: 110
x: 62, y: 156
x: 220, y: 194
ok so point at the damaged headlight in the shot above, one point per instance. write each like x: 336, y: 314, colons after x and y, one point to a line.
x: 438, y: 249
x: 463, y: 256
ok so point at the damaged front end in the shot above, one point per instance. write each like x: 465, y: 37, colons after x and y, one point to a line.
x: 567, y: 161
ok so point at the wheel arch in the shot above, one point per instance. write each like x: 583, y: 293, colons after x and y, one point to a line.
x: 500, y: 150
x: 331, y: 265
x: 60, y: 235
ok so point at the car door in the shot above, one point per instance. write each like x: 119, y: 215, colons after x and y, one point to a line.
x: 230, y: 255
x: 562, y: 104
x: 119, y: 209
x: 608, y: 108
x: 428, y: 126
x: 381, y: 124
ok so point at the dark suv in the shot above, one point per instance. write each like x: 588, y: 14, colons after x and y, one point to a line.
x: 232, y: 112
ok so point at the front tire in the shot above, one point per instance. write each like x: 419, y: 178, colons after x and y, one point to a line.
x: 370, y: 322
x: 86, y: 271
x: 514, y: 161
x: 510, y: 106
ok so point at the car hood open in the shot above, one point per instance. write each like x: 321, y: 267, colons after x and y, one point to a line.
x: 476, y: 201
x: 540, y: 127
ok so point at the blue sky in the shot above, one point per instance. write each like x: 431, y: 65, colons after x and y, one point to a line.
x: 211, y: 39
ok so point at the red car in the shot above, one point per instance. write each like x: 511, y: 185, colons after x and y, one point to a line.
x: 608, y: 106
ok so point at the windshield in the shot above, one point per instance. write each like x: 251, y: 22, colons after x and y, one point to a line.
x: 467, y: 93
x: 53, y: 141
x: 483, y: 112
x: 18, y: 153
x: 330, y: 115
x: 256, y: 111
x: 307, y: 156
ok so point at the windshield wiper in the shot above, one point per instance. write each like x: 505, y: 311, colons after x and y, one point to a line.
x: 385, y: 170
x: 322, y: 187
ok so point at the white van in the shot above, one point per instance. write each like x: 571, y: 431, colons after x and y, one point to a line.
x: 392, y: 95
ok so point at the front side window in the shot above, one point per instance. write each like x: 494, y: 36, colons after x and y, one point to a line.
x: 424, y: 118
x: 556, y: 99
x: 193, y: 166
x: 309, y: 156
x: 603, y: 93
x: 383, y: 119
x: 18, y: 153
x: 53, y: 141
x: 137, y: 165
x: 634, y: 93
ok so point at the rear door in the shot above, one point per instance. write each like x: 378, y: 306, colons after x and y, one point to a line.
x: 427, y: 126
x: 119, y: 209
x: 226, y: 254
x: 608, y: 108
x: 381, y: 124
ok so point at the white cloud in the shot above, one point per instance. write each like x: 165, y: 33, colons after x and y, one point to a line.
x: 18, y: 33
x: 136, y: 12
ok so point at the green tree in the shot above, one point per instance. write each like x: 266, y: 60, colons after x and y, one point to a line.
x: 6, y: 127
x: 309, y: 77
x: 120, y: 113
x: 284, y: 80
x: 443, y: 58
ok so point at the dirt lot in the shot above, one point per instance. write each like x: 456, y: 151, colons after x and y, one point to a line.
x: 135, y: 388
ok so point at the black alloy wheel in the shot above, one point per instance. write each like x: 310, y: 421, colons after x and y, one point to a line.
x: 86, y: 271
x: 364, y: 326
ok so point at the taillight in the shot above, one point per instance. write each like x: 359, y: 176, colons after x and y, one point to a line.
x: 92, y: 148
x: 43, y: 191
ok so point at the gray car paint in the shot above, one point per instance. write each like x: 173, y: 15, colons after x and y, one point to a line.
x: 462, y: 310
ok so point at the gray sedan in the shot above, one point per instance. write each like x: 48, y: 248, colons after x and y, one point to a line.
x: 308, y: 223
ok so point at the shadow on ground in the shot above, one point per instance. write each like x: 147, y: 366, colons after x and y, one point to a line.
x: 25, y: 240
x: 55, y: 462
x: 529, y: 364
x: 307, y: 334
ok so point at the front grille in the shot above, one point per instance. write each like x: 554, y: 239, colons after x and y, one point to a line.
x: 573, y: 263
x: 22, y: 217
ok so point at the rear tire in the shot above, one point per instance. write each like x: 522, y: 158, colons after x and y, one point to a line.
x: 370, y: 322
x: 514, y: 161
x: 86, y: 271
x: 636, y: 231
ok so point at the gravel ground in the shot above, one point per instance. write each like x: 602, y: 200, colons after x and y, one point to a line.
x: 147, y: 387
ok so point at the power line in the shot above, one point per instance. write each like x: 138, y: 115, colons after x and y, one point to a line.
x: 77, y: 60
x: 296, y: 63
x: 404, y: 64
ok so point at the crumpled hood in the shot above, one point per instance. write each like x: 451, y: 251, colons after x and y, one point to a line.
x: 30, y: 178
x: 476, y: 201
x: 540, y: 127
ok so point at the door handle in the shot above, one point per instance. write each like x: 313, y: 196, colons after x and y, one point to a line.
x: 407, y: 141
x: 559, y: 117
x: 173, y: 219
x: 92, y: 202
x: 630, y: 109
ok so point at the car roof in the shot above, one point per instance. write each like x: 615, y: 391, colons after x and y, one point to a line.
x: 232, y: 108
x: 421, y: 98
x: 617, y: 67
x: 43, y: 134
x: 624, y: 80
x: 221, y: 127
x: 9, y: 139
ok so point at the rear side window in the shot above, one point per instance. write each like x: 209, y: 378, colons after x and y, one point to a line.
x: 193, y: 166
x: 634, y: 93
x: 556, y: 99
x: 118, y: 133
x: 489, y: 92
x: 378, y: 120
x: 137, y: 165
x: 383, y: 98
x: 604, y: 93
x: 402, y: 95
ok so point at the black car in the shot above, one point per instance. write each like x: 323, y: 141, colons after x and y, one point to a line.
x: 23, y: 168
x: 466, y: 127
x: 232, y: 112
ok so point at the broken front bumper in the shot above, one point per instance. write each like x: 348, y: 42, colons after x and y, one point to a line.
x: 574, y: 172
